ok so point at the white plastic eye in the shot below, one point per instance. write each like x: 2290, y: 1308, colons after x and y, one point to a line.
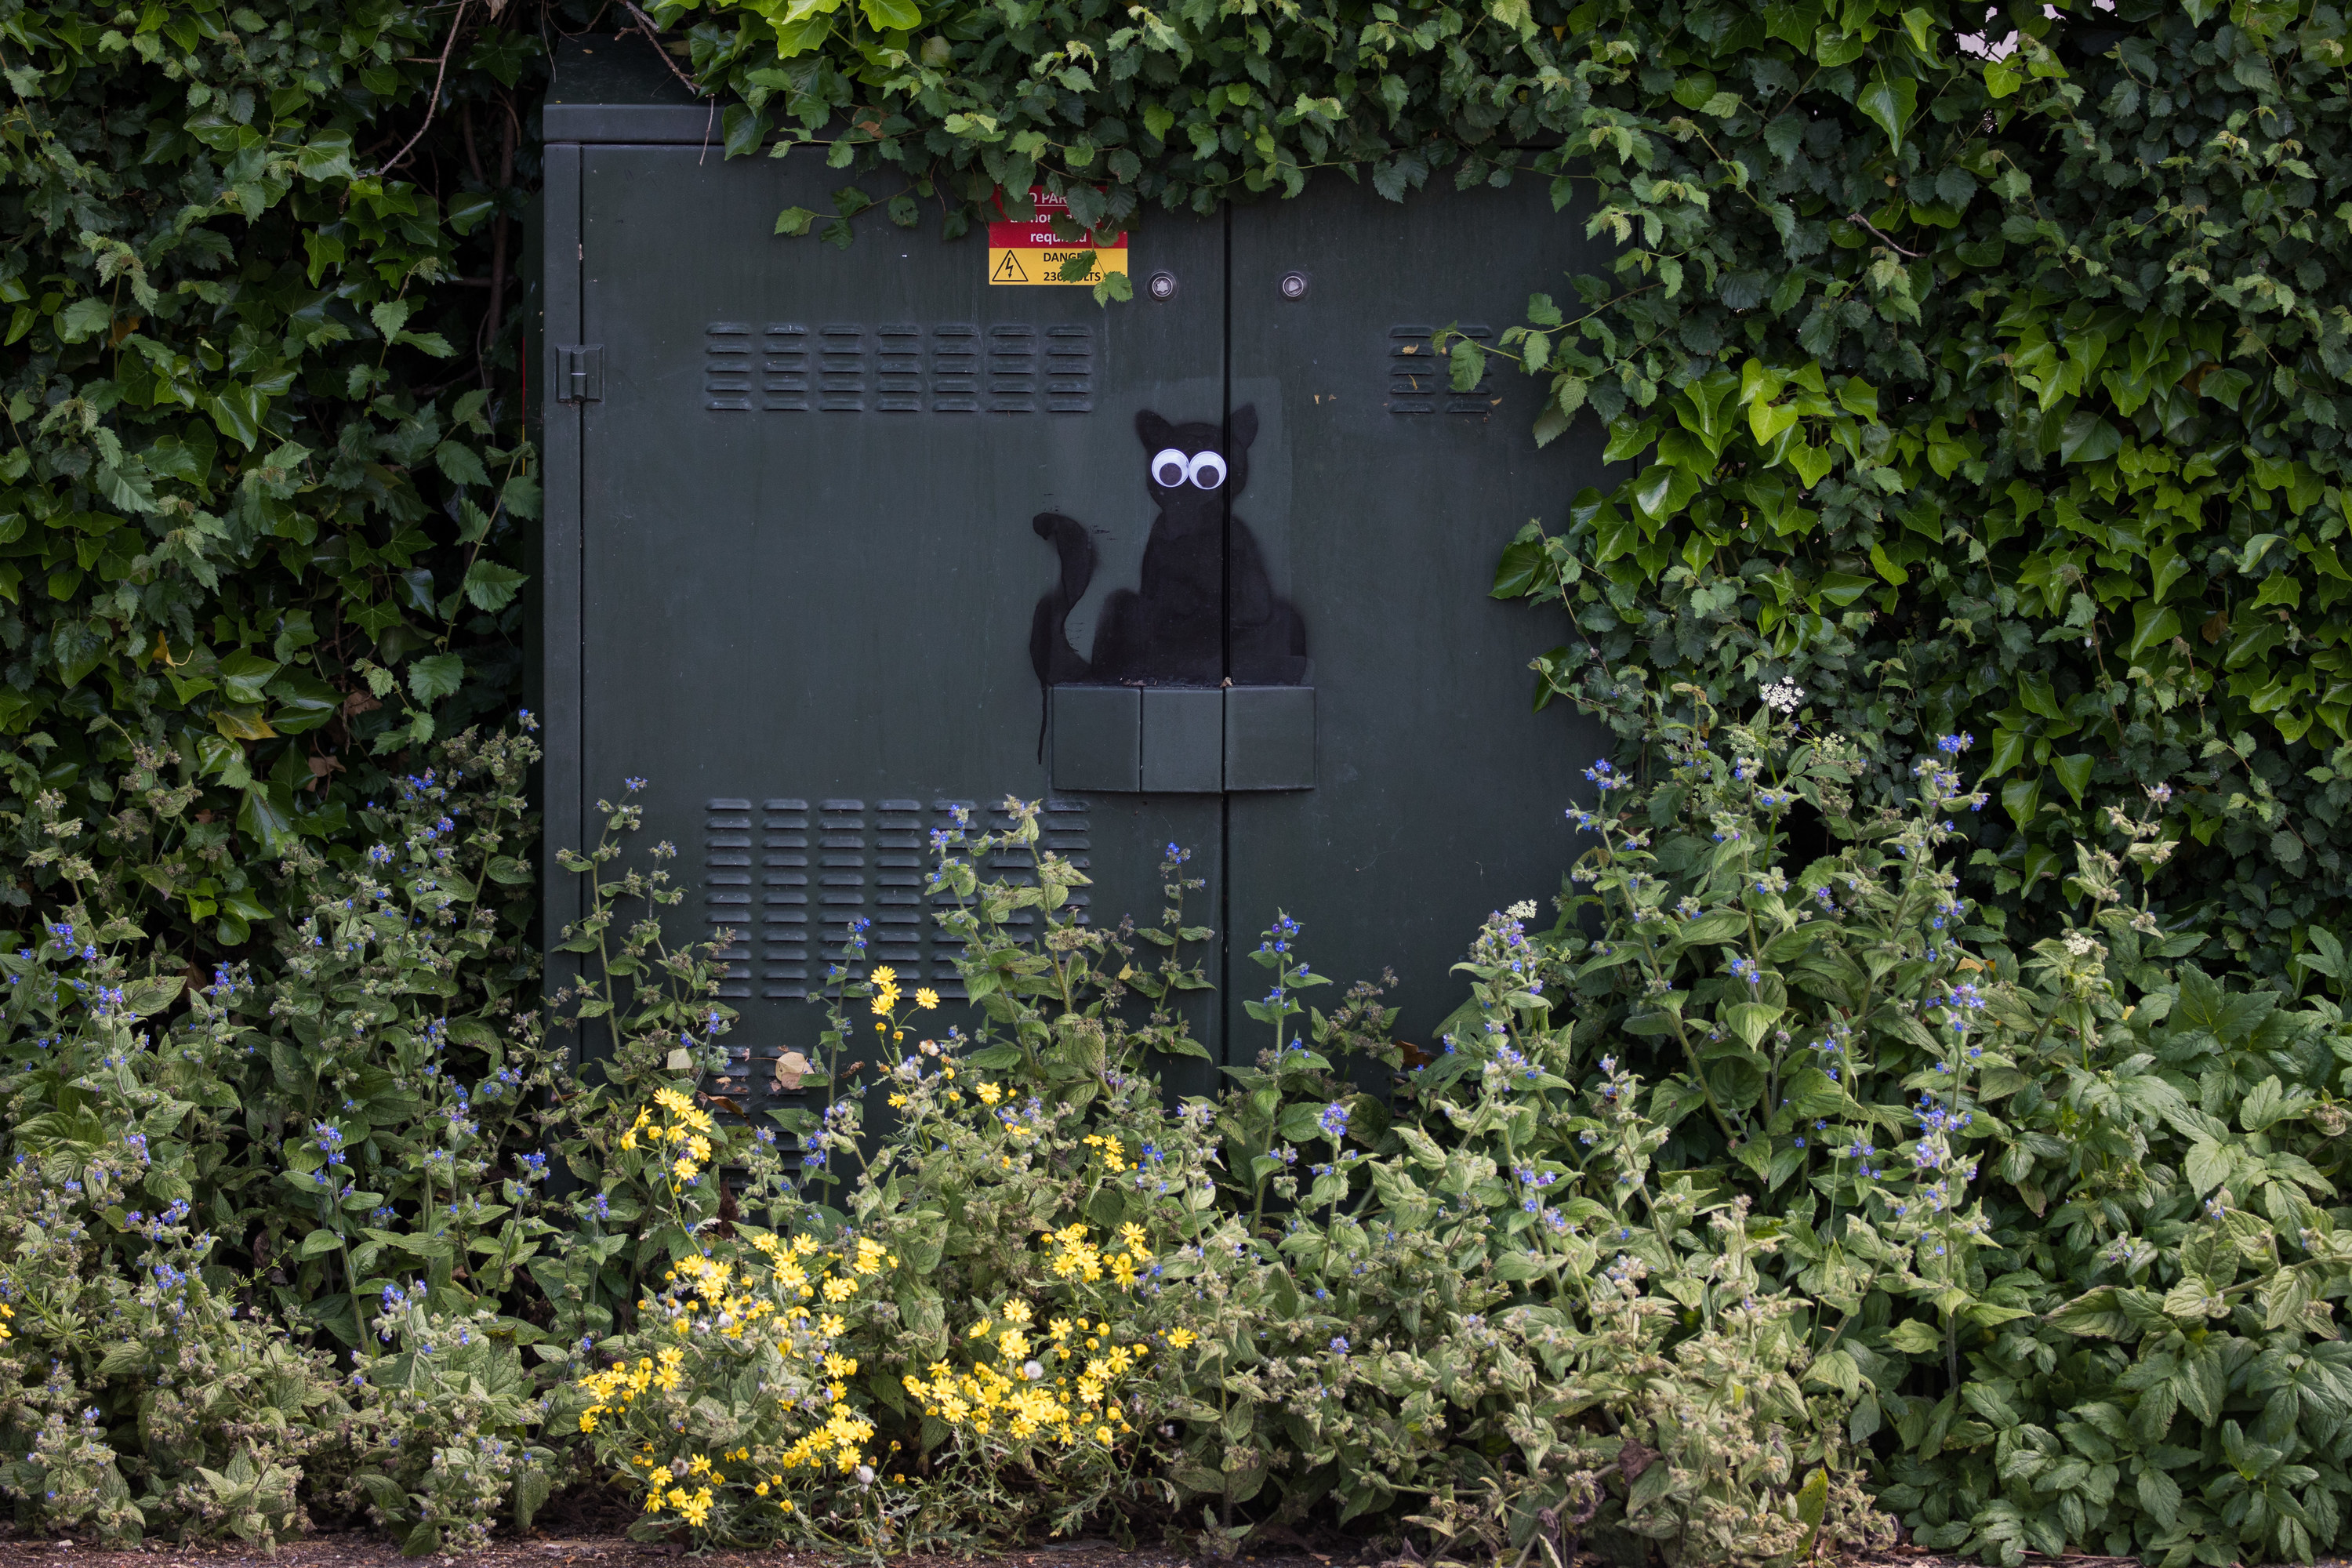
x: 1169, y: 468
x: 1207, y: 470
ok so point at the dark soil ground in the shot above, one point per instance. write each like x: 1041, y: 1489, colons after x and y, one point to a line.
x: 363, y: 1549
x: 582, y: 1527
x: 367, y: 1550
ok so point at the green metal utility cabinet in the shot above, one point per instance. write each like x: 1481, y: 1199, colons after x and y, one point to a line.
x: 838, y: 540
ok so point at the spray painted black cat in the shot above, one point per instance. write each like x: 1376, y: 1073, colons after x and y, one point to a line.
x: 1205, y: 611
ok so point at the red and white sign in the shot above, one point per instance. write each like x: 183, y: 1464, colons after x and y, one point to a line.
x: 1032, y: 253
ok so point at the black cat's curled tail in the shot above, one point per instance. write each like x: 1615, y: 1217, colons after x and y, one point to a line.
x: 1050, y: 652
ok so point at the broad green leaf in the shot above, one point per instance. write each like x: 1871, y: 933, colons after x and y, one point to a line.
x: 2074, y: 772
x: 84, y: 319
x: 1767, y: 421
x: 1520, y: 570
x: 245, y: 676
x: 1811, y: 463
x: 460, y: 463
x: 1913, y: 1337
x: 434, y: 678
x: 2153, y: 627
x: 490, y: 586
x: 1890, y: 103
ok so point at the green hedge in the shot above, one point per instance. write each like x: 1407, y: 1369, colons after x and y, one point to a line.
x: 1995, y: 392
x: 1968, y: 394
x: 266, y: 474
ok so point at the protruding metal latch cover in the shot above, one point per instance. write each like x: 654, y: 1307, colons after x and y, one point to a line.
x: 1165, y: 740
x: 579, y: 373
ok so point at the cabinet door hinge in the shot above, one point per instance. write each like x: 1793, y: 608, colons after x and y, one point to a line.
x: 579, y: 373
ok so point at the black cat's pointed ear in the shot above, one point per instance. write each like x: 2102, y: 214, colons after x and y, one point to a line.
x: 1156, y: 432
x: 1244, y: 425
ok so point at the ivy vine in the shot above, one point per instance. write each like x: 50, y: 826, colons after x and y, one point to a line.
x: 1972, y: 366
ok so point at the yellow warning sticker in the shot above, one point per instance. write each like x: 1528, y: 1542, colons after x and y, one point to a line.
x: 1024, y: 264
x: 1031, y: 252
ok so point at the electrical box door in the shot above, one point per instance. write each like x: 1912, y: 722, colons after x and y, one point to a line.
x: 841, y: 541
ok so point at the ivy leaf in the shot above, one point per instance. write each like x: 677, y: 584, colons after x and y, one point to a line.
x: 1664, y: 489
x: 1890, y: 103
x: 891, y: 16
x: 1811, y: 463
x: 2074, y: 774
x: 372, y: 618
x: 2020, y: 798
x: 417, y: 589
x: 1629, y: 439
x: 467, y: 210
x: 1767, y: 421
x: 327, y: 156
x: 741, y: 129
x: 1517, y: 572
x: 242, y: 724
x: 805, y: 28
x: 236, y: 411
x: 244, y: 675
x: 268, y: 816
x: 2153, y: 627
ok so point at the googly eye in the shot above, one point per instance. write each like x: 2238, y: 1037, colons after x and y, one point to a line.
x: 1207, y: 470
x: 1169, y: 468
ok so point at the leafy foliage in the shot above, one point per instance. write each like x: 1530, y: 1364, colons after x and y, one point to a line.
x: 1963, y: 372
x: 1962, y: 379
x: 1953, y: 395
x: 215, y: 1187
x: 1046, y: 1293
x: 261, y: 500
x: 1991, y: 1167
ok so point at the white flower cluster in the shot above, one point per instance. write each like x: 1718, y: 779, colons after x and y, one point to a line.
x: 1783, y: 696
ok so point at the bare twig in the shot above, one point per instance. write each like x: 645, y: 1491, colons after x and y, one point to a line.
x: 646, y: 23
x: 486, y: 336
x: 434, y: 103
x: 499, y: 230
x: 473, y: 159
x: 1857, y: 217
